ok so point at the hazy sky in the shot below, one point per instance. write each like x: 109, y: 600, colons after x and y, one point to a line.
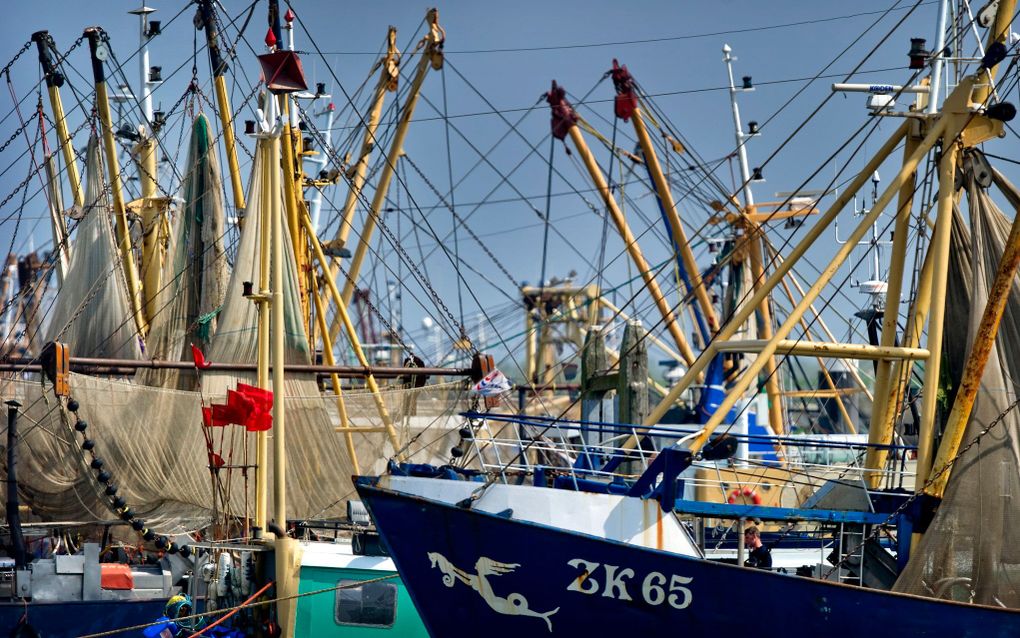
x: 503, y: 55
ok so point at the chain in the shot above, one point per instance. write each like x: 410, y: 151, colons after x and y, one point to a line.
x: 15, y: 134
x: 33, y: 172
x: 460, y: 220
x: 400, y: 249
x: 212, y: 105
x: 931, y: 480
x: 17, y: 55
x: 74, y: 45
x: 374, y: 310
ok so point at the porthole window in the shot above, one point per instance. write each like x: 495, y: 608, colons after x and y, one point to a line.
x: 370, y: 604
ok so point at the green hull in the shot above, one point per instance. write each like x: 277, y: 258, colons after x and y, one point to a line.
x: 378, y: 609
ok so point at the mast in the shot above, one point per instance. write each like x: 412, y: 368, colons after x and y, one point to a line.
x: 207, y: 16
x: 150, y: 206
x: 755, y: 237
x: 292, y: 174
x: 431, y: 48
x: 98, y: 47
x: 565, y: 123
x: 54, y: 80
x: 745, y: 173
x: 58, y: 226
x: 388, y: 75
x: 624, y: 87
x: 145, y: 79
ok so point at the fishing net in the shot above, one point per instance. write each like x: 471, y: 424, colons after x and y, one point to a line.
x: 154, y: 444
x: 92, y: 311
x: 971, y: 551
x: 194, y: 277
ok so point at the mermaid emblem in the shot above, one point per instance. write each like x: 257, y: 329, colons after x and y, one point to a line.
x: 513, y: 605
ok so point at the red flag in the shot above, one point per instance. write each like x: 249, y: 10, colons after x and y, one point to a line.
x: 247, y: 405
x: 199, y: 358
x: 262, y: 398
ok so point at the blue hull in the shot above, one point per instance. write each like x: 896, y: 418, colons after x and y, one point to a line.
x: 65, y: 619
x: 475, y: 573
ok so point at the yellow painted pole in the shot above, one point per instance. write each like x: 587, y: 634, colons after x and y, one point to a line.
x: 998, y: 33
x: 939, y: 248
x: 277, y: 331
x: 784, y: 267
x: 94, y: 35
x: 352, y: 336
x: 66, y: 146
x: 980, y: 351
x: 388, y: 76
x: 881, y: 426
x: 802, y: 348
x: 291, y: 172
x: 673, y: 215
x: 152, y: 225
x: 431, y: 55
x: 754, y: 236
x: 821, y: 322
x: 529, y: 348
x: 327, y: 354
x: 806, y: 327
x: 219, y: 68
x: 630, y: 243
x: 826, y: 275
x: 229, y: 142
x: 54, y: 80
x: 268, y: 194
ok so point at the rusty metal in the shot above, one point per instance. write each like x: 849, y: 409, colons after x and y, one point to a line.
x: 128, y: 366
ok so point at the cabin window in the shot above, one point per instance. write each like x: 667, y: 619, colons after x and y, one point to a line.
x: 370, y: 604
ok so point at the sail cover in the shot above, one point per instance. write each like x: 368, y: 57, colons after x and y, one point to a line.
x: 92, y: 312
x: 971, y: 551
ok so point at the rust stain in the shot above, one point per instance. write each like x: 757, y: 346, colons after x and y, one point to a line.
x: 658, y: 529
x: 583, y: 576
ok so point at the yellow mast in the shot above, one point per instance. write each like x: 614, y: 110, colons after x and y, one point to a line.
x: 262, y: 300
x: 99, y: 50
x: 219, y: 69
x: 782, y: 269
x: 564, y: 117
x: 624, y: 87
x: 388, y: 75
x: 431, y: 48
x: 54, y: 80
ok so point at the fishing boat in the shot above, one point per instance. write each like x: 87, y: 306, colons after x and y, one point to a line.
x: 569, y: 554
x: 153, y: 376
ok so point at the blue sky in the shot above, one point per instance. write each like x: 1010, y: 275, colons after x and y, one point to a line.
x: 509, y: 52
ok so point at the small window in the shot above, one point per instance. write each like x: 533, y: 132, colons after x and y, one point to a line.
x: 371, y: 604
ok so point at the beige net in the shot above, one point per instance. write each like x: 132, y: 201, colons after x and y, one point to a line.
x: 92, y: 310
x: 971, y: 551
x: 153, y: 442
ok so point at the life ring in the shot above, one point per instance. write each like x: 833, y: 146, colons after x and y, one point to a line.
x: 745, y: 493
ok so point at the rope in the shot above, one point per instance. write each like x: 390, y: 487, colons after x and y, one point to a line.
x: 244, y: 605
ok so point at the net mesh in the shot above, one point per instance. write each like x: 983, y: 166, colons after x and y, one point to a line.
x: 153, y: 442
x: 92, y: 311
x: 195, y: 272
x: 971, y: 551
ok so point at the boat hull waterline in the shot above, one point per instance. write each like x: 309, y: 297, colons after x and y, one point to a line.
x: 467, y: 570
